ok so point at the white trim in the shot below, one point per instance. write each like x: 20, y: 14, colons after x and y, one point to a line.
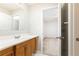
x: 69, y: 29
x: 69, y: 50
x: 70, y: 24
x: 73, y: 31
x: 42, y: 43
x: 59, y: 29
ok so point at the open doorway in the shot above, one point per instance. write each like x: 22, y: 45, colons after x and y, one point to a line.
x: 55, y: 27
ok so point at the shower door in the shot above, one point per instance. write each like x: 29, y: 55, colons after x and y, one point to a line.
x: 52, y: 31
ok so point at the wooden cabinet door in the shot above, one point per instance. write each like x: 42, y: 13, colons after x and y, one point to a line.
x: 20, y: 51
x: 28, y: 50
x: 34, y: 45
x: 24, y: 51
x: 8, y: 54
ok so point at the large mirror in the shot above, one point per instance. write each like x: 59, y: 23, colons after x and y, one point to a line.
x: 13, y: 18
x: 5, y: 21
x: 8, y: 22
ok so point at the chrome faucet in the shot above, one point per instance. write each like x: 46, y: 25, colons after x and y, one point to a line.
x: 17, y: 36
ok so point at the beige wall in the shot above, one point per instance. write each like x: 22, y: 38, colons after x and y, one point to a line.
x: 76, y: 28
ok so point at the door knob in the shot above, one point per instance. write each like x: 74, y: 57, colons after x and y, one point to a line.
x: 77, y: 39
x: 60, y: 37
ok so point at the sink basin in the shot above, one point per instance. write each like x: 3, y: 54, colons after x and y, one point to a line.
x: 17, y: 36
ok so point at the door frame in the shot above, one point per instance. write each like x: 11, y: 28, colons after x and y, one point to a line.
x: 71, y: 32
x: 59, y: 29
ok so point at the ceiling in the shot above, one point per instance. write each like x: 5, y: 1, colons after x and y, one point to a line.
x: 10, y: 6
x: 15, y: 6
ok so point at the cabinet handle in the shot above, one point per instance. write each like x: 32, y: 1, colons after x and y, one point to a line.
x: 60, y: 37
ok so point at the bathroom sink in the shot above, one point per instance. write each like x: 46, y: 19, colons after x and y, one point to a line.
x: 17, y: 36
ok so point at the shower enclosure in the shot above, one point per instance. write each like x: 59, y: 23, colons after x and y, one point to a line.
x: 55, y: 28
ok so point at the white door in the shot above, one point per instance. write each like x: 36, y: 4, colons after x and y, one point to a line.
x: 76, y: 29
x: 52, y: 30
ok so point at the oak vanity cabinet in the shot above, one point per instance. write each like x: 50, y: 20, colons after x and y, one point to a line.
x: 26, y: 48
x: 7, y: 52
x: 23, y: 49
x: 34, y: 45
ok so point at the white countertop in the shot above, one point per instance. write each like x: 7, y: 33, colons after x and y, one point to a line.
x: 6, y: 43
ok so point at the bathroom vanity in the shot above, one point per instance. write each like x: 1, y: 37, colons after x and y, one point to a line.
x: 26, y: 48
x: 19, y: 47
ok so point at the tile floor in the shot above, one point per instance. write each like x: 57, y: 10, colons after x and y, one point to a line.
x: 39, y: 54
